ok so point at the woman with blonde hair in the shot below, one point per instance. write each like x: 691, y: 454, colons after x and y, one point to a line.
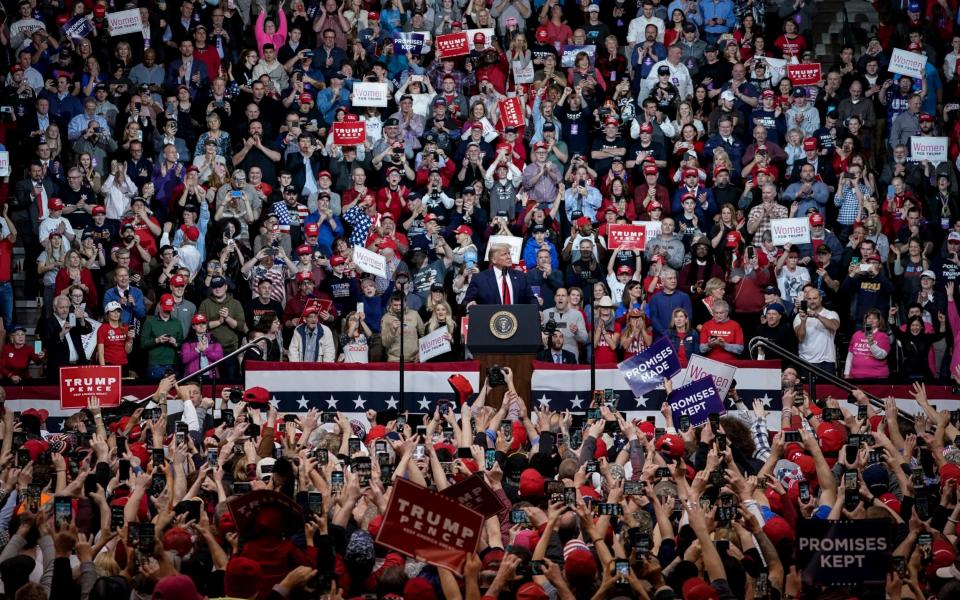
x: 682, y: 337
x: 442, y: 318
x: 636, y: 336
x: 54, y: 141
x: 49, y: 264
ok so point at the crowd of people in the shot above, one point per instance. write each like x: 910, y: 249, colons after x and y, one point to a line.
x: 176, y: 191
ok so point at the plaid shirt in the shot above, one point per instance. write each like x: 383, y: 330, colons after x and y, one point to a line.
x: 846, y: 199
x: 757, y: 213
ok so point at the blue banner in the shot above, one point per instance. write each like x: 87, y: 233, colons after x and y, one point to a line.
x: 697, y: 400
x: 646, y: 370
x: 408, y: 42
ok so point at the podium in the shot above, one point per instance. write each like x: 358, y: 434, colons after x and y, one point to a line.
x: 507, y: 335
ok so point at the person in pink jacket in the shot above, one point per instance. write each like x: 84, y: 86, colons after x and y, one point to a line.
x: 201, y: 348
x: 266, y: 30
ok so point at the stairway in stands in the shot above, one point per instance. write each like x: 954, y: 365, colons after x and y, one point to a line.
x: 828, y: 27
x: 26, y: 312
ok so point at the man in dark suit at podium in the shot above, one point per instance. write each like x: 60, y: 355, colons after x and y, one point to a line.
x: 500, y: 284
x: 554, y: 351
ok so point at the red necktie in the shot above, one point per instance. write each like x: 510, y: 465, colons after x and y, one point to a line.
x: 505, y: 289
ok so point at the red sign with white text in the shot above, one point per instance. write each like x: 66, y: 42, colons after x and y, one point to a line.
x: 429, y: 526
x: 626, y: 237
x: 511, y: 112
x: 79, y: 384
x: 473, y: 492
x: 804, y: 74
x: 349, y: 134
x: 452, y: 44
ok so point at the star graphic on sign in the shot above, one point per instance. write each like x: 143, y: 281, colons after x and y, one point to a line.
x: 544, y: 401
x: 577, y: 402
x: 424, y: 404
x: 302, y: 403
x: 360, y: 402
x: 391, y: 403
x: 641, y: 400
x: 766, y: 399
x: 274, y: 402
x: 331, y: 403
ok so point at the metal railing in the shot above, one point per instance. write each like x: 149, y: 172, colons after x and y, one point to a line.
x: 768, y: 346
x: 211, y: 366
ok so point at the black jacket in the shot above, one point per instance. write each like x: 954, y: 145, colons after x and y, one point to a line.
x: 57, y: 349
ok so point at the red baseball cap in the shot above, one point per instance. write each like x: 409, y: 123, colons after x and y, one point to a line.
x: 810, y: 143
x: 479, y: 38
x: 646, y: 128
x: 178, y: 281
x: 303, y: 249
x: 733, y: 239
x: 191, y: 232
x: 306, y: 98
x: 167, y: 303
x: 650, y: 169
x: 311, y: 229
x: 373, y: 16
x: 55, y: 204
x: 815, y: 219
x: 542, y: 34
x: 690, y: 172
x: 304, y: 276
x: 198, y: 319
x: 98, y: 210
x: 336, y: 261
x: 464, y: 229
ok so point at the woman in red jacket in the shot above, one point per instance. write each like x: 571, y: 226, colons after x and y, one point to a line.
x: 74, y: 273
x: 17, y: 356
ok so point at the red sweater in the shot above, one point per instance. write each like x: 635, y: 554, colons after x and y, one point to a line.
x: 16, y: 361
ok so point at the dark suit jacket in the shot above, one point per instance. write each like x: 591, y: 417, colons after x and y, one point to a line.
x: 24, y: 205
x: 57, y: 350
x: 824, y: 170
x: 297, y: 168
x: 484, y: 288
x: 173, y: 75
x: 547, y: 356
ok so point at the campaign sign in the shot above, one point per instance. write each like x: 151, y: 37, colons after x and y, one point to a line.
x: 843, y: 552
x: 522, y: 74
x: 790, y: 231
x: 124, y: 22
x: 513, y: 241
x: 79, y: 384
x: 408, y: 42
x: 804, y: 74
x: 646, y: 370
x: 569, y: 52
x: 78, y: 27
x: 369, y: 94
x: 452, y: 44
x: 4, y: 163
x: 349, y: 134
x: 776, y: 67
x: 434, y: 344
x: 369, y: 262
x: 511, y: 112
x: 429, y: 526
x: 474, y: 493
x: 933, y: 149
x: 697, y: 400
x: 907, y: 63
x: 700, y: 367
x: 626, y: 237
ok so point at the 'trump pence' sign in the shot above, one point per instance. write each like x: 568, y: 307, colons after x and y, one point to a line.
x: 697, y: 400
x: 804, y: 74
x: 843, y: 552
x: 430, y: 526
x: 452, y: 44
x: 626, y: 237
x: 647, y: 370
x: 78, y: 384
x: 790, y: 231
